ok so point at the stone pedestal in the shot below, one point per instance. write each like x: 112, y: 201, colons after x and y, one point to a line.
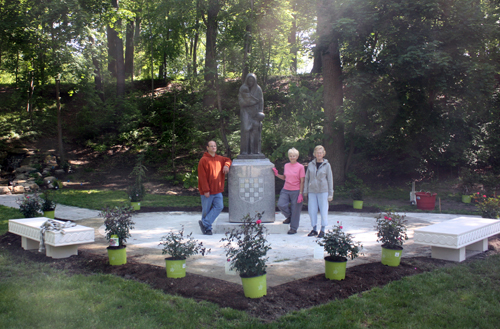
x: 251, y: 189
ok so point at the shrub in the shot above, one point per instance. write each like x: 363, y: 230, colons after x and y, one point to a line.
x: 391, y: 230
x: 48, y: 203
x: 29, y: 205
x: 180, y: 247
x: 118, y: 221
x: 248, y: 256
x: 339, y: 245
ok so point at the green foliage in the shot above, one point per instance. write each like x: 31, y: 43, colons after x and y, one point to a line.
x: 7, y: 213
x: 468, y: 178
x: 391, y: 230
x: 136, y: 191
x: 47, y: 201
x: 118, y: 221
x: 357, y: 194
x: 489, y: 206
x: 340, y: 245
x: 179, y: 247
x: 248, y: 256
x: 29, y: 205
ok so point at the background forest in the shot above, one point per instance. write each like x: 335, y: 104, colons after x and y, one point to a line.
x: 394, y: 89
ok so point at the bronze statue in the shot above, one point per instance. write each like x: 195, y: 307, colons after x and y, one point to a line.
x: 251, y: 102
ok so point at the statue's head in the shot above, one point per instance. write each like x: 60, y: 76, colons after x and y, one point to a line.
x: 251, y: 80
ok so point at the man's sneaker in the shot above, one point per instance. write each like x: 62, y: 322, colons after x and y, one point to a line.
x: 208, y: 232
x: 287, y: 221
x: 292, y: 231
x: 321, y: 234
x: 203, y: 229
x: 313, y: 233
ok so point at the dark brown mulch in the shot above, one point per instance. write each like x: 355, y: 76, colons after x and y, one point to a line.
x: 296, y: 295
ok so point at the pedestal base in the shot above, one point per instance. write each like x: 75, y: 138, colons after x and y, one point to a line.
x: 251, y: 189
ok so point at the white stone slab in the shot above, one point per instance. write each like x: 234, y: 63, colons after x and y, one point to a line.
x: 58, y: 245
x: 450, y: 240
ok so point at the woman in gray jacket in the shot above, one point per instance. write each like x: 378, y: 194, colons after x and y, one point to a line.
x: 318, y: 187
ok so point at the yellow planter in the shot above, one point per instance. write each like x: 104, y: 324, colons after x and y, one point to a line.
x: 335, y: 270
x: 255, y: 287
x: 391, y: 257
x: 176, y: 269
x: 357, y: 204
x: 49, y: 214
x: 117, y: 256
x: 136, y: 205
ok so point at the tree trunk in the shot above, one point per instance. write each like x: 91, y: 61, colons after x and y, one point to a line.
x: 333, y: 129
x: 292, y: 40
x: 111, y: 36
x: 120, y: 65
x: 316, y: 69
x: 59, y: 125
x: 247, y: 48
x: 97, y: 70
x: 129, y: 51
x: 332, y: 103
x: 210, y: 55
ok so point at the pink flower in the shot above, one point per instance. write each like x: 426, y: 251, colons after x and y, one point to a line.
x: 29, y: 197
x: 341, y: 227
x: 477, y: 192
x: 389, y: 218
x: 337, y: 222
x: 258, y: 221
x: 484, y: 196
x: 385, y: 217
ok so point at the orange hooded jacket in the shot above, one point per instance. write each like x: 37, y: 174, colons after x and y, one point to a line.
x: 210, y: 176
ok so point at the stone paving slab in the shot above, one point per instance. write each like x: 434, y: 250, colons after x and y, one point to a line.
x: 291, y: 256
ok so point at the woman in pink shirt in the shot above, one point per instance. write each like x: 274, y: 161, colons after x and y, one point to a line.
x: 290, y: 201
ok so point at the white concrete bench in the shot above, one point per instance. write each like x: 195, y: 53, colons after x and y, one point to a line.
x: 458, y: 238
x: 57, y: 244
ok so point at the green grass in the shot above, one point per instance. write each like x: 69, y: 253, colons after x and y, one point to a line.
x: 35, y: 295
x: 7, y: 213
x: 97, y: 199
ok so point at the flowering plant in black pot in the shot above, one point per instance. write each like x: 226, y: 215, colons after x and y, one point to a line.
x: 339, y: 245
x: 179, y: 246
x: 391, y: 230
x: 117, y: 223
x: 247, y: 247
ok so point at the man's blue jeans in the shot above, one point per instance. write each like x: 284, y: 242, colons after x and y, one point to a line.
x: 211, y: 207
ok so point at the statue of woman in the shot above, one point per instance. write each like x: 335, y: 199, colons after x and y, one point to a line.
x: 251, y: 103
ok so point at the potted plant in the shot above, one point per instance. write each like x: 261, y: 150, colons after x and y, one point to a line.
x: 357, y: 198
x: 117, y: 225
x: 136, y: 192
x: 467, y: 180
x: 179, y: 248
x: 247, y: 248
x: 391, y: 231
x: 339, y: 246
x: 48, y: 205
x: 29, y: 205
x: 489, y: 206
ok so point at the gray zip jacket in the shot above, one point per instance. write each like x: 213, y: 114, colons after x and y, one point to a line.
x: 319, y: 180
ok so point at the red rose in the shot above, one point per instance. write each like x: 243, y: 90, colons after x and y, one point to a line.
x: 258, y: 221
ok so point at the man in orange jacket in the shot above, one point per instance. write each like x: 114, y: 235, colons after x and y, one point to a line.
x: 212, y: 169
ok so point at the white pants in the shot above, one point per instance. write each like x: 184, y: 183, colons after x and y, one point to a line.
x: 318, y: 201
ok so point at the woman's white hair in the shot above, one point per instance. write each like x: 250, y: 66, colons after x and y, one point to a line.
x: 294, y: 151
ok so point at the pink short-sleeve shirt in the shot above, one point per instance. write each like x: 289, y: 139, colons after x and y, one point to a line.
x: 293, y: 173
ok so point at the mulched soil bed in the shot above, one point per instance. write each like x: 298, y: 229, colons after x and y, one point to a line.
x: 292, y: 296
